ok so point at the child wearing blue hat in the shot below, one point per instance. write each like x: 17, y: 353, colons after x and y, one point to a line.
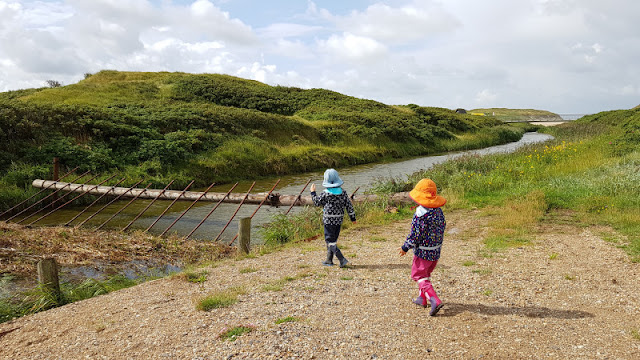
x: 334, y: 201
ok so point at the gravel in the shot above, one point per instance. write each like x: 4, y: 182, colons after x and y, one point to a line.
x: 568, y: 295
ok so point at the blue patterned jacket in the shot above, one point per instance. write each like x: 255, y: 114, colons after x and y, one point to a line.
x: 333, y: 207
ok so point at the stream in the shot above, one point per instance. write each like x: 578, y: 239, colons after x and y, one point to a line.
x: 362, y: 176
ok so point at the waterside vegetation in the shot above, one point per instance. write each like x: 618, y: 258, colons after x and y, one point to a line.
x: 213, y: 128
x: 589, y: 175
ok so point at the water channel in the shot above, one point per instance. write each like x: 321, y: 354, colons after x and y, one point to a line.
x: 362, y: 176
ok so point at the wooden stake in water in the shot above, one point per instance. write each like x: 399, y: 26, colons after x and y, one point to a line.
x: 48, y: 276
x: 244, y: 234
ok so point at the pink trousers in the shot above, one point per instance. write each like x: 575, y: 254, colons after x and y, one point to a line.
x: 421, y: 272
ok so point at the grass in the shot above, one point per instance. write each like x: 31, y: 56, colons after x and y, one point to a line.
x: 553, y: 256
x: 346, y: 278
x: 86, y: 246
x: 307, y: 224
x: 485, y: 271
x: 278, y: 285
x: 377, y: 239
x: 513, y: 223
x: 231, y: 334
x: 286, y: 320
x: 221, y: 299
x: 41, y: 298
x: 273, y: 287
x: 197, y: 277
x: 468, y: 263
x: 247, y: 270
x: 587, y: 170
x: 635, y: 333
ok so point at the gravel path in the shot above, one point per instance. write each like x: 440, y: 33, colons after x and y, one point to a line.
x: 568, y: 295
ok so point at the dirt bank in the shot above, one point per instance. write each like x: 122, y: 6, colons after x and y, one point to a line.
x: 568, y: 295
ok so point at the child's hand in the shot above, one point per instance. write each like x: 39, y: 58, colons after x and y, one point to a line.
x: 401, y: 252
x: 313, y: 187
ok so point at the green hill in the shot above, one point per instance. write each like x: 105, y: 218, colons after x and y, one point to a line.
x: 216, y: 128
x: 509, y: 115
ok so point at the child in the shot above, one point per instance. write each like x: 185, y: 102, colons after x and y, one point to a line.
x: 334, y: 200
x: 425, y: 237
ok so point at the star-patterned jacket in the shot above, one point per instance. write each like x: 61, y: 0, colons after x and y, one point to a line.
x: 333, y: 207
x: 426, y: 235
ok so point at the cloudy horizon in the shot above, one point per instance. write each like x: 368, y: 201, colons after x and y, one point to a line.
x: 565, y: 56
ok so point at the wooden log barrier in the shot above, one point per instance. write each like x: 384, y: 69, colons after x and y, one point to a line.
x: 274, y: 199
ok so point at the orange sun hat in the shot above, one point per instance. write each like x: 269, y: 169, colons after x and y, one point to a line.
x: 425, y: 194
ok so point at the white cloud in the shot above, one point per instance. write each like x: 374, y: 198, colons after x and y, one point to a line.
x: 282, y: 30
x: 561, y: 55
x: 630, y: 90
x: 485, y: 98
x: 256, y: 71
x: 353, y: 48
x: 415, y: 21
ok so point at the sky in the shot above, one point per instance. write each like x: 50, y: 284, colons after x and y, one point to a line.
x: 565, y: 56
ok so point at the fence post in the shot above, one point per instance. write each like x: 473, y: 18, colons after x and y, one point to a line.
x: 56, y: 169
x: 244, y: 234
x: 56, y: 176
x: 48, y: 275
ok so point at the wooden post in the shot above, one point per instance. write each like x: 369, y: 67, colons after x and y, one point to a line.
x: 56, y: 176
x: 48, y: 275
x: 244, y: 234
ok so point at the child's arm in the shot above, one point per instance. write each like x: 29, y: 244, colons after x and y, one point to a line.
x: 411, y: 238
x: 318, y: 200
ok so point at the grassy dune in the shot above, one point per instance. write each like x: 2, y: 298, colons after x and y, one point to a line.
x: 508, y: 115
x: 208, y: 127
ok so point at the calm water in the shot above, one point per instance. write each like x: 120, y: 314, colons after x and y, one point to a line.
x: 362, y: 176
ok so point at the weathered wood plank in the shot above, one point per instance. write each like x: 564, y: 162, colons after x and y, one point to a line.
x: 274, y: 200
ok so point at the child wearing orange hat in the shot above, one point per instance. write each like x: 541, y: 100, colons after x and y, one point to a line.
x: 425, y: 238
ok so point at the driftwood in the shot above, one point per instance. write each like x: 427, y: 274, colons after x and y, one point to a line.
x: 274, y: 199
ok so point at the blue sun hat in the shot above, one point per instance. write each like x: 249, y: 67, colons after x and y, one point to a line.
x: 332, y: 182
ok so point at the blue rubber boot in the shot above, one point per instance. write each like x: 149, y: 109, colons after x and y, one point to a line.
x: 329, y: 260
x: 343, y: 260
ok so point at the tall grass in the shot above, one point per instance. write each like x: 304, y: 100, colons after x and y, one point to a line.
x: 307, y: 224
x: 583, y: 170
x: 42, y: 298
